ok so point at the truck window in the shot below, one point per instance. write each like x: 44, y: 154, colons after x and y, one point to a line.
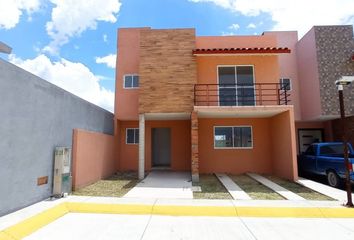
x: 336, y: 149
x: 310, y: 150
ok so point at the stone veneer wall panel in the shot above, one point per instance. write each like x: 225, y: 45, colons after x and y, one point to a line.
x: 167, y: 71
x: 335, y: 46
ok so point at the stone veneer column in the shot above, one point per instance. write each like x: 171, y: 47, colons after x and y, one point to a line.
x: 194, y: 143
x: 141, y: 146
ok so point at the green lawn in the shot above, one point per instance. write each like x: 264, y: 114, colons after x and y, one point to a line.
x: 211, y: 188
x: 255, y: 189
x: 299, y: 189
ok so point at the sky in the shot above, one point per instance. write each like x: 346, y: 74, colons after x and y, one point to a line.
x: 72, y: 43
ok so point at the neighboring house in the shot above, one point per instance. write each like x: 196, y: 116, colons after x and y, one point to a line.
x: 228, y: 103
x: 324, y: 54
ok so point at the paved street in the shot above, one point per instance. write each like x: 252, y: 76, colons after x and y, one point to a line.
x: 113, y: 226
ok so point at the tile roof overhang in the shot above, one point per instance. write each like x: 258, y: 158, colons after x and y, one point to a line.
x: 242, y: 51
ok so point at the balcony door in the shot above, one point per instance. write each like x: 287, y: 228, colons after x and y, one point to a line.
x: 236, y: 86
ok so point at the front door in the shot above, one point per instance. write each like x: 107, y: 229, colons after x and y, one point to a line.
x: 161, y: 147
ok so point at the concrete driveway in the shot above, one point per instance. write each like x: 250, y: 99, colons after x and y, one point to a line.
x: 163, y: 184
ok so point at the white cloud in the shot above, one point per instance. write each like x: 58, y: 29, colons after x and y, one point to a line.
x: 234, y: 26
x: 228, y: 33
x: 72, y: 17
x: 73, y: 77
x: 11, y: 11
x: 105, y: 38
x: 109, y: 60
x: 251, y: 25
x: 298, y: 15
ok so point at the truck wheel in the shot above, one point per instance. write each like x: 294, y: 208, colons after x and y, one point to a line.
x: 333, y: 179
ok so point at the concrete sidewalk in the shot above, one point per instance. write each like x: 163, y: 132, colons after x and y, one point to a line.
x: 163, y: 184
x: 75, y: 226
x: 80, y: 217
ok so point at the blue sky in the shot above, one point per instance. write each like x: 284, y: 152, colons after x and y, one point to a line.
x: 72, y: 43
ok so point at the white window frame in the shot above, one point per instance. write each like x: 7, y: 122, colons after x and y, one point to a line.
x: 290, y: 84
x: 126, y: 136
x: 235, y: 66
x: 239, y: 126
x: 132, y: 75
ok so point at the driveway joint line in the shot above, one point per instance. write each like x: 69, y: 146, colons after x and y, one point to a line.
x: 148, y: 222
x: 243, y: 223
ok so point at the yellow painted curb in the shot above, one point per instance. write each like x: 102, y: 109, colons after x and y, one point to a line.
x: 109, y: 208
x: 194, y: 211
x: 337, y: 212
x: 5, y: 236
x: 32, y: 224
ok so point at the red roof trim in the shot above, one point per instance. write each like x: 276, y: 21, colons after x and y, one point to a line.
x: 240, y: 50
x: 353, y: 58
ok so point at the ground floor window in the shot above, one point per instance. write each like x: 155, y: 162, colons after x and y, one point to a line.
x: 132, y: 135
x: 233, y: 137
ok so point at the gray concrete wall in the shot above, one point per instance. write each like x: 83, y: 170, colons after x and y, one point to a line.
x: 35, y: 117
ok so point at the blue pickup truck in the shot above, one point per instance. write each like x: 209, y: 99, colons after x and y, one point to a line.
x: 327, y: 159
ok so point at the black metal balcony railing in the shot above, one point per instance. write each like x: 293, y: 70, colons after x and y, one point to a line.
x: 241, y: 94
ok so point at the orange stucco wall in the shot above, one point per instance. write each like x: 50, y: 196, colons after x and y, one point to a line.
x: 236, y: 161
x: 129, y: 153
x: 93, y: 157
x: 126, y: 100
x: 282, y: 128
x: 180, y: 145
x: 288, y: 66
x: 273, y: 152
x: 265, y: 67
x: 235, y: 41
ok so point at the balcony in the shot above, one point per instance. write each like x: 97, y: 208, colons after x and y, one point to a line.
x: 256, y: 94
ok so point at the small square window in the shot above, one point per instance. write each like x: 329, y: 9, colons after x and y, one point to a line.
x: 132, y: 135
x: 131, y: 81
x: 285, y: 84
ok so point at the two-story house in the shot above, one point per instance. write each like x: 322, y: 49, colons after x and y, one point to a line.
x: 230, y: 104
x: 205, y: 104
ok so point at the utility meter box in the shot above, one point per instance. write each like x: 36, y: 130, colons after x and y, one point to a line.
x: 62, y: 180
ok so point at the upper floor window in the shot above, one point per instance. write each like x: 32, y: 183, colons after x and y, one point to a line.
x: 131, y: 81
x: 236, y: 86
x: 285, y: 84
